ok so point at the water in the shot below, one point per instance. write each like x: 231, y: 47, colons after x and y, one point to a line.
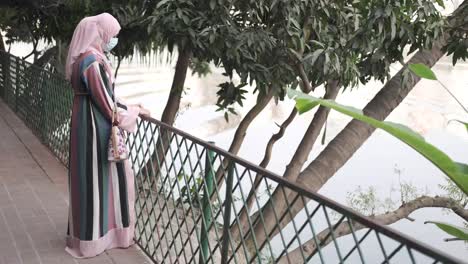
x: 382, y: 162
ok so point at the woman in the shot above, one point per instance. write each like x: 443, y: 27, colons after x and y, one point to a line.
x: 101, y: 214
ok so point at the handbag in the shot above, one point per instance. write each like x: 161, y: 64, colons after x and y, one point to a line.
x: 118, y: 150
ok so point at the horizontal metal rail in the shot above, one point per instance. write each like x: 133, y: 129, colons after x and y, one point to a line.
x: 197, y: 203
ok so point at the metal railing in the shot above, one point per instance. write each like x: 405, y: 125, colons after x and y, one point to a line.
x: 197, y: 203
x: 41, y: 99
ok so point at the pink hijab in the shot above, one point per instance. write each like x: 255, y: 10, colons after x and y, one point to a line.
x: 91, y: 34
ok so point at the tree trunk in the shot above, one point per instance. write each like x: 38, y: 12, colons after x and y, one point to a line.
x: 351, y: 138
x: 292, y: 170
x: 2, y: 44
x: 61, y: 58
x: 169, y: 114
x: 241, y: 131
x: 347, y: 142
x: 173, y: 102
x: 240, y: 134
x: 5, y: 68
x: 305, y: 147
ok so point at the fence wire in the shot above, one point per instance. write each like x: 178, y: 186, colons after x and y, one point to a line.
x: 197, y: 203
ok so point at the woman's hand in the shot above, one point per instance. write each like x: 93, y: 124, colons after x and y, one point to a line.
x: 144, y: 111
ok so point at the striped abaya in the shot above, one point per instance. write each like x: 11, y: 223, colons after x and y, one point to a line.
x: 101, y: 214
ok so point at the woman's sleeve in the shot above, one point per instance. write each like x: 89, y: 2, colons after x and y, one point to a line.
x: 97, y: 89
x: 101, y: 96
x: 127, y: 116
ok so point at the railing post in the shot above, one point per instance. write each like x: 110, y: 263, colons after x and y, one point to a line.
x: 208, y: 181
x: 227, y: 213
x: 7, y: 80
x: 43, y: 90
x: 17, y: 83
x: 3, y: 70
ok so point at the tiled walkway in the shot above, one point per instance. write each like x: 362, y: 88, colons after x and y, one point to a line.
x: 33, y: 202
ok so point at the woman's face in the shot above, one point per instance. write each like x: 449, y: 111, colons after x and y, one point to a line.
x: 111, y: 44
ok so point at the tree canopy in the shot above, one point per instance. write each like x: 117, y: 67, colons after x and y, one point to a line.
x: 261, y: 41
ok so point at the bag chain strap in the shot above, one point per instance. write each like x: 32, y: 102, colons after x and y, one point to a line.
x: 114, y: 117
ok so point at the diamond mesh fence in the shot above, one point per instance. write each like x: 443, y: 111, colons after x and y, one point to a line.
x: 197, y: 203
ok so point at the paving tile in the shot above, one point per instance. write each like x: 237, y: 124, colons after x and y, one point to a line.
x: 9, y: 251
x: 29, y: 257
x: 10, y: 260
x: 57, y: 243
x: 23, y: 243
x: 100, y: 259
x: 34, y: 203
x: 131, y: 255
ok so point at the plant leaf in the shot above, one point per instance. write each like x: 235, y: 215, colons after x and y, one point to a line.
x: 304, y: 105
x: 162, y: 3
x: 313, y: 56
x: 462, y: 167
x: 441, y: 3
x: 456, y: 231
x: 457, y: 172
x: 422, y: 71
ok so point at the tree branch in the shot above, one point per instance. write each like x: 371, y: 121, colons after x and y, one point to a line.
x: 243, y: 214
x: 306, y: 86
x: 276, y: 137
x: 35, y: 42
x: 119, y: 60
x: 247, y: 120
x: 46, y: 56
x: 310, y: 247
x: 241, y: 131
x: 286, y: 123
x: 32, y: 52
x: 294, y: 166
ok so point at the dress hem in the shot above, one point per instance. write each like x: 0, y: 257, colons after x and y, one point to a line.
x: 115, y: 238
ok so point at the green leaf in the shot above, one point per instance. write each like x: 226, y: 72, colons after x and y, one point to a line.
x: 462, y: 167
x: 326, y: 64
x: 441, y: 3
x: 296, y: 54
x: 313, y: 56
x: 273, y: 4
x: 422, y: 71
x: 304, y: 105
x: 162, y: 3
x: 179, y: 13
x: 456, y: 231
x: 318, y: 43
x: 294, y: 22
x: 457, y: 172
